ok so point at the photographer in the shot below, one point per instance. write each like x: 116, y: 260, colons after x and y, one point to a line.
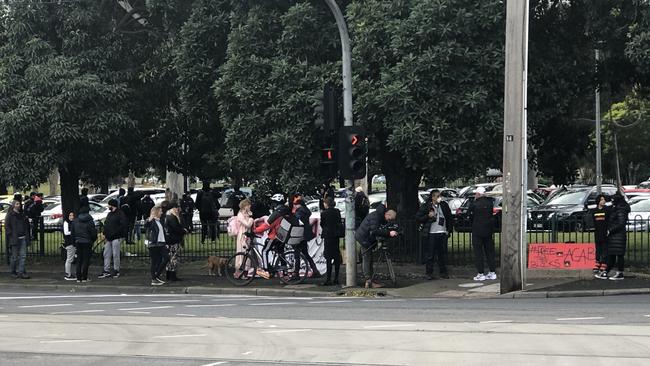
x: 372, y: 228
x: 436, y: 220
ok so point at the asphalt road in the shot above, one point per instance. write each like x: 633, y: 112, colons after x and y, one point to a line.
x: 112, y: 329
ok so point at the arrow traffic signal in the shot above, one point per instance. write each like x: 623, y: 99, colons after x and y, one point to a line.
x: 352, y: 152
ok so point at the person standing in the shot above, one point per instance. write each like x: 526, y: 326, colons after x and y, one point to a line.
x: 234, y: 199
x: 368, y: 234
x: 436, y: 220
x: 156, y: 243
x: 17, y: 231
x: 208, y: 205
x: 303, y: 214
x: 616, y: 239
x: 332, y: 231
x: 115, y: 228
x: 187, y: 210
x: 600, y: 215
x: 71, y: 250
x: 175, y: 231
x: 481, y: 212
x: 361, y: 206
x: 83, y: 198
x: 84, y: 234
x: 128, y: 206
x: 244, y: 225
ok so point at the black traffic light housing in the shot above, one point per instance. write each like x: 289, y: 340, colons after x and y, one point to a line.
x: 352, y: 150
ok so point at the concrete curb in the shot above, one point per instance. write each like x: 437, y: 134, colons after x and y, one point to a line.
x: 198, y: 290
x: 579, y: 293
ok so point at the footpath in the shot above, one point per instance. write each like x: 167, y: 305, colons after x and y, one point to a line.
x: 134, y: 278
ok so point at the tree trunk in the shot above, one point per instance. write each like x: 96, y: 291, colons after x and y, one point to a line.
x: 53, y: 181
x: 69, y: 189
x: 3, y: 189
x: 401, y: 185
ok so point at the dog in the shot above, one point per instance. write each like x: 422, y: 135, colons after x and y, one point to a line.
x: 216, y: 265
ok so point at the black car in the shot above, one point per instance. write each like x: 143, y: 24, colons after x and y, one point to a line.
x: 464, y: 221
x: 568, y: 209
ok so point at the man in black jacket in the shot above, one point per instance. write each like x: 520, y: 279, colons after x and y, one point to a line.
x: 367, y: 234
x: 187, y: 211
x: 84, y: 235
x: 208, y: 205
x: 303, y: 214
x: 115, y: 228
x: 17, y: 231
x: 616, y: 238
x: 83, y: 198
x: 481, y: 212
x: 361, y: 206
x: 436, y: 223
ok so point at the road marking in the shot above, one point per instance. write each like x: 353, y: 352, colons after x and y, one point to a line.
x: 113, y: 303
x: 66, y: 341
x: 4, y: 316
x: 139, y: 312
x: 272, y: 303
x: 208, y: 305
x: 285, y: 331
x: 647, y: 315
x: 585, y: 318
x: 216, y: 363
x: 147, y: 308
x: 496, y: 321
x: 181, y: 336
x: 328, y: 302
x: 384, y: 300
x: 185, y: 315
x: 77, y: 312
x: 172, y: 301
x: 247, y: 353
x: 43, y: 306
x: 388, y: 326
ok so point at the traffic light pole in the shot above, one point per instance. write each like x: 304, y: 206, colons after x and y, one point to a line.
x: 350, y: 243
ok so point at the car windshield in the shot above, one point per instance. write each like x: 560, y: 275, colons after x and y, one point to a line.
x: 569, y: 198
x: 641, y: 206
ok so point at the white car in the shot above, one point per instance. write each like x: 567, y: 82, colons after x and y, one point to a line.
x: 639, y: 216
x: 53, y: 215
x: 314, y: 207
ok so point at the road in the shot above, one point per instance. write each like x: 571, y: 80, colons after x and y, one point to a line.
x: 113, y: 329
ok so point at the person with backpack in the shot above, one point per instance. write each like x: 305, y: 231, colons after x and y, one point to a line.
x: 84, y: 234
x: 115, y: 229
x: 175, y: 231
x: 156, y: 243
x: 71, y: 250
x: 303, y: 214
x: 332, y: 230
x: 208, y: 205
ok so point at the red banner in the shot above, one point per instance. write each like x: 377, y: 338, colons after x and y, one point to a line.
x: 561, y: 255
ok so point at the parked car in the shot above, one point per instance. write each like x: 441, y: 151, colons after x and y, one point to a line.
x: 639, y: 216
x: 645, y: 184
x: 97, y: 197
x: 53, y: 216
x: 568, y: 209
x: 314, y: 207
x: 466, y: 192
x: 463, y: 221
x: 143, y: 190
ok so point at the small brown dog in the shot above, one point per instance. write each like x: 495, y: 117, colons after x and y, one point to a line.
x: 216, y: 265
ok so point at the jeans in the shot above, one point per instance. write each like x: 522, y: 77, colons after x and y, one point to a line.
x: 436, y: 251
x: 112, y: 250
x: 84, y: 251
x: 136, y: 230
x: 18, y: 255
x: 366, y: 257
x: 484, y: 248
x: 159, y: 257
x: 70, y: 252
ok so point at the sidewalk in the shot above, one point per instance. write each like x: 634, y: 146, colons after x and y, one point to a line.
x: 411, y: 284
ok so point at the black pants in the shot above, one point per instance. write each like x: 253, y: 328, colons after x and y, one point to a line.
x: 436, y: 251
x: 34, y: 231
x: 187, y: 220
x: 484, y: 248
x: 302, y: 248
x: 159, y: 258
x: 208, y: 228
x: 332, y: 256
x: 84, y: 251
x: 618, y: 260
x: 601, y: 251
x: 129, y: 235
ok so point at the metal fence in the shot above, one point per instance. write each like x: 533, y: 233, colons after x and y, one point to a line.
x: 409, y: 248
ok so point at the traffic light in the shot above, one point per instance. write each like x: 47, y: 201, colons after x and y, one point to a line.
x: 326, y: 110
x: 328, y: 162
x: 352, y: 152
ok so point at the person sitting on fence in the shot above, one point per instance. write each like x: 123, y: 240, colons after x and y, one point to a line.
x: 367, y: 234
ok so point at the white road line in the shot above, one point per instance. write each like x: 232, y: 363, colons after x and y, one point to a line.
x: 388, y: 326
x: 585, y: 318
x: 216, y: 363
x: 247, y: 353
x: 43, y: 306
x: 185, y: 315
x: 67, y: 341
x: 496, y: 321
x: 272, y: 303
x: 208, y: 305
x: 77, y: 312
x: 139, y: 312
x: 648, y: 316
x: 4, y: 316
x: 285, y: 331
x: 113, y: 303
x: 384, y: 300
x: 173, y: 301
x: 181, y: 336
x: 328, y: 302
x: 147, y: 308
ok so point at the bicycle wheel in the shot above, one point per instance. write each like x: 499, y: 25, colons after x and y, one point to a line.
x: 287, y: 275
x: 240, y: 269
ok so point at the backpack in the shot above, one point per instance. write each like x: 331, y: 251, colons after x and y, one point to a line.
x: 233, y: 228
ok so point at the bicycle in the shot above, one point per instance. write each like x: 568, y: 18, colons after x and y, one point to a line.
x: 242, y: 268
x: 383, y: 258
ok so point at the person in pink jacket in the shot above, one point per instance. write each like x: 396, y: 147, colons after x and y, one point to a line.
x: 244, y: 225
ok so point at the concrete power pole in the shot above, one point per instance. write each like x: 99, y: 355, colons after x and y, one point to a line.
x: 350, y: 243
x: 515, y: 164
x: 599, y: 164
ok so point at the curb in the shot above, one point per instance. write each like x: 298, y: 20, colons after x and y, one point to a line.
x: 580, y: 293
x: 199, y: 290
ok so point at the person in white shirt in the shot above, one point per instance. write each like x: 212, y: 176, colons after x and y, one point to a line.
x: 71, y: 250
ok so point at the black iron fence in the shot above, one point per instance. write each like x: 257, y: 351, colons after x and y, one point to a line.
x: 409, y: 248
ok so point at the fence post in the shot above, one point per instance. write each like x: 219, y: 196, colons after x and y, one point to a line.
x: 554, y: 229
x: 41, y: 235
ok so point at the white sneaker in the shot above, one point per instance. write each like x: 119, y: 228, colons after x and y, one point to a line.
x: 479, y: 277
x: 491, y: 276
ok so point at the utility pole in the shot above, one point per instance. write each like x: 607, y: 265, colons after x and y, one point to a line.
x: 599, y: 164
x: 515, y: 145
x: 350, y: 242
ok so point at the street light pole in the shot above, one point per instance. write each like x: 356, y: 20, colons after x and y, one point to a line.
x: 599, y: 164
x: 350, y: 243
